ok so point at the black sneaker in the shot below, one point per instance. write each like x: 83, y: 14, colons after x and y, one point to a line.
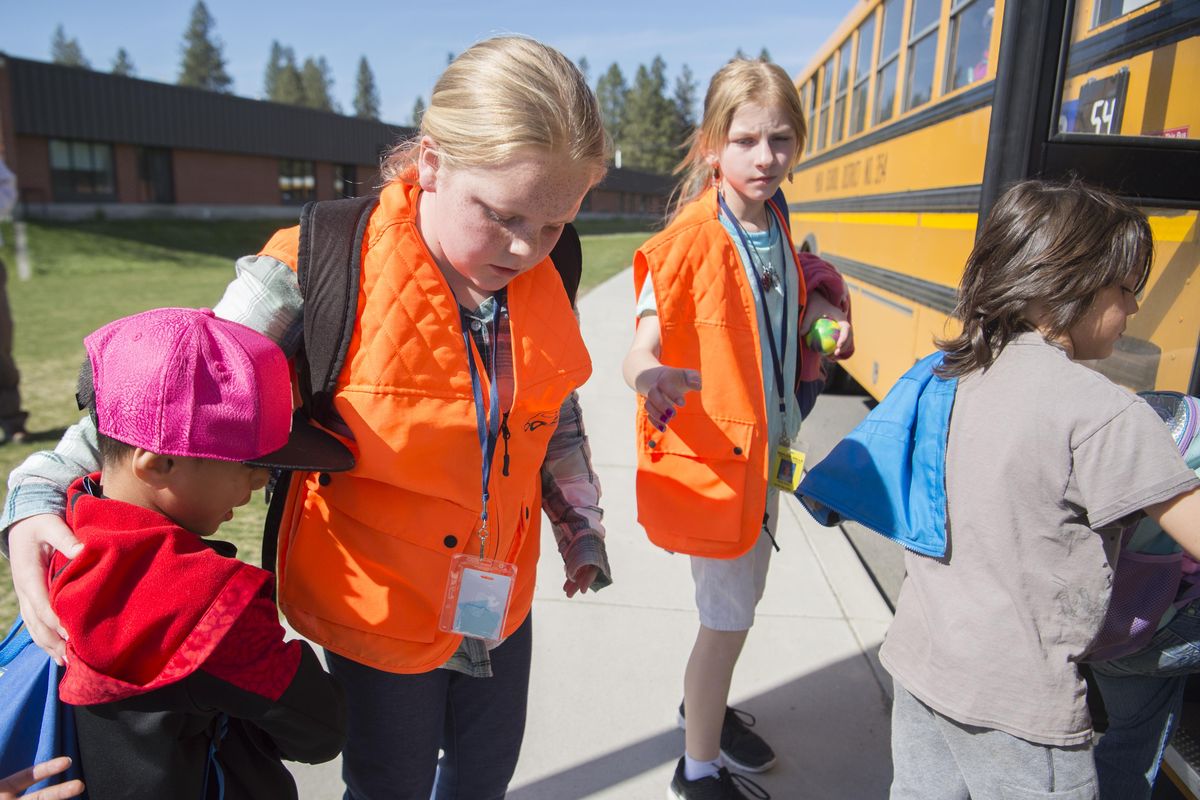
x: 722, y: 786
x: 742, y: 748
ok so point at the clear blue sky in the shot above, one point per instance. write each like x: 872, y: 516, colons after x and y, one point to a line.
x: 407, y: 43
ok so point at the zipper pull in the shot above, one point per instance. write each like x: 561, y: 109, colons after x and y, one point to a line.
x: 505, y: 433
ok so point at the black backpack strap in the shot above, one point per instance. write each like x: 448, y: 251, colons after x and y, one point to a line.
x: 329, y: 268
x: 567, y: 256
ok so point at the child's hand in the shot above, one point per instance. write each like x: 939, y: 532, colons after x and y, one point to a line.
x: 582, y: 581
x: 664, y: 389
x: 819, y: 307
x: 12, y: 786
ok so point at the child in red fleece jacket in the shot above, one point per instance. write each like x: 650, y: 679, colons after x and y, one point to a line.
x: 182, y: 683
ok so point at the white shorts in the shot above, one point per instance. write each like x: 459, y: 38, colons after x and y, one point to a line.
x: 728, y: 589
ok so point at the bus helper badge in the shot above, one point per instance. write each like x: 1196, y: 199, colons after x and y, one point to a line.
x: 786, y: 467
x: 478, y: 594
x: 479, y: 590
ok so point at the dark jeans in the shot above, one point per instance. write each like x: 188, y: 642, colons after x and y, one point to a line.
x: 397, y: 724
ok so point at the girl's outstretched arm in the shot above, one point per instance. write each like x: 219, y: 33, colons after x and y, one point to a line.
x: 1180, y: 518
x: 663, y: 387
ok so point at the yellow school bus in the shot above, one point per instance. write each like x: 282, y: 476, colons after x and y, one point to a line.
x: 922, y: 111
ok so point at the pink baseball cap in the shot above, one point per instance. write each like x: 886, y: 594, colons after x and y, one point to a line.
x: 184, y: 382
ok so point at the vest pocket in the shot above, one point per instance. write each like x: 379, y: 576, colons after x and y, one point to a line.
x: 692, y: 479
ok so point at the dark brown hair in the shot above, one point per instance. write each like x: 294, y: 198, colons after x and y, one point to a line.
x: 112, y: 452
x: 1051, y: 244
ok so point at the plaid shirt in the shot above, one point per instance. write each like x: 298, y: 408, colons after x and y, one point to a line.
x: 265, y: 296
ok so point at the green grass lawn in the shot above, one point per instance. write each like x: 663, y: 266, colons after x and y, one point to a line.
x: 86, y: 274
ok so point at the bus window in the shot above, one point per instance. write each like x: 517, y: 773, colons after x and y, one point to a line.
x: 922, y: 49
x: 810, y: 107
x: 889, y: 59
x: 826, y: 87
x: 1113, y: 88
x: 970, y: 37
x: 862, y: 71
x: 843, y: 86
x: 1107, y: 10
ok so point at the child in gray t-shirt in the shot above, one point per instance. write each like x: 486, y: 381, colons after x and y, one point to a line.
x: 1045, y: 461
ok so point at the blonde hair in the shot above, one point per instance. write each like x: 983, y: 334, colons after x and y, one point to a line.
x: 739, y: 82
x: 499, y: 96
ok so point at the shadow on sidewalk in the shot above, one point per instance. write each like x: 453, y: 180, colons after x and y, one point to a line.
x: 829, y: 729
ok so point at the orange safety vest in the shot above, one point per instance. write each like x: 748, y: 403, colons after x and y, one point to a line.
x: 702, y: 485
x: 364, y: 555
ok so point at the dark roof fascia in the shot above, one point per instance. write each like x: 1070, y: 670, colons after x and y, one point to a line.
x: 61, y: 102
x: 623, y: 179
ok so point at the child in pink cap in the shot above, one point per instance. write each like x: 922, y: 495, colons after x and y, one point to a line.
x: 182, y: 683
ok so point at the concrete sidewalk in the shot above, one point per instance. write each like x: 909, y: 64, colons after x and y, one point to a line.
x: 608, y: 668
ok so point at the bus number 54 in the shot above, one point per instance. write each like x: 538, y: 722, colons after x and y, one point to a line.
x: 1103, y: 112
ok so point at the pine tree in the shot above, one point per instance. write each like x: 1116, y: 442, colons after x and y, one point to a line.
x: 418, y: 112
x: 123, y: 64
x: 764, y: 54
x: 203, y: 65
x: 366, y: 96
x: 685, y: 104
x: 649, y: 128
x: 741, y: 54
x: 585, y: 69
x: 273, y: 72
x: 317, y: 80
x: 67, y: 51
x: 611, y: 92
x: 289, y: 87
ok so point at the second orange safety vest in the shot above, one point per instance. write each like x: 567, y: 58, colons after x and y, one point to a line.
x: 702, y: 485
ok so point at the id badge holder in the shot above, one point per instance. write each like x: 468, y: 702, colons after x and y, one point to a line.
x: 478, y: 594
x: 786, y: 467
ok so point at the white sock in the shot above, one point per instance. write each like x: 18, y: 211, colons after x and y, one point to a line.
x: 694, y: 770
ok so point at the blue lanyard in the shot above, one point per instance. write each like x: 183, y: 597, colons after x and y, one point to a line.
x: 776, y: 361
x: 489, y: 427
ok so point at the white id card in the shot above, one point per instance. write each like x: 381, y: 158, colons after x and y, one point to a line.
x: 477, y: 597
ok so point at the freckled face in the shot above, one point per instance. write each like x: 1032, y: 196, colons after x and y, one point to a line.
x: 484, y: 226
x: 1097, y: 332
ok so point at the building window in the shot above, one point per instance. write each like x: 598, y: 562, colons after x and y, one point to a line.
x: 862, y: 74
x: 826, y: 89
x: 922, y: 50
x: 344, y: 183
x: 82, y: 171
x: 843, y: 88
x: 970, y: 38
x: 297, y: 181
x: 889, y: 59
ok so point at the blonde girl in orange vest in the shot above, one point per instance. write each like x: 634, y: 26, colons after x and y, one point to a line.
x: 722, y: 307
x: 458, y: 400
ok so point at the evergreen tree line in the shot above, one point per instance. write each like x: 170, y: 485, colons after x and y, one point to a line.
x: 202, y: 65
x: 648, y: 127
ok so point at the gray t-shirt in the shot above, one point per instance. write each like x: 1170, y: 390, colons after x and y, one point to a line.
x: 1046, y: 460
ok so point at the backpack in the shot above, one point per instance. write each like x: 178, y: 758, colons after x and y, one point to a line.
x: 1153, y: 574
x: 34, y: 724
x: 329, y: 270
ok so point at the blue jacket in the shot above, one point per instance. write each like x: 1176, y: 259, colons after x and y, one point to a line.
x: 889, y: 473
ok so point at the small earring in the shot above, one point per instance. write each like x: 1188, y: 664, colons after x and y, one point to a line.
x: 791, y: 177
x: 716, y: 176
